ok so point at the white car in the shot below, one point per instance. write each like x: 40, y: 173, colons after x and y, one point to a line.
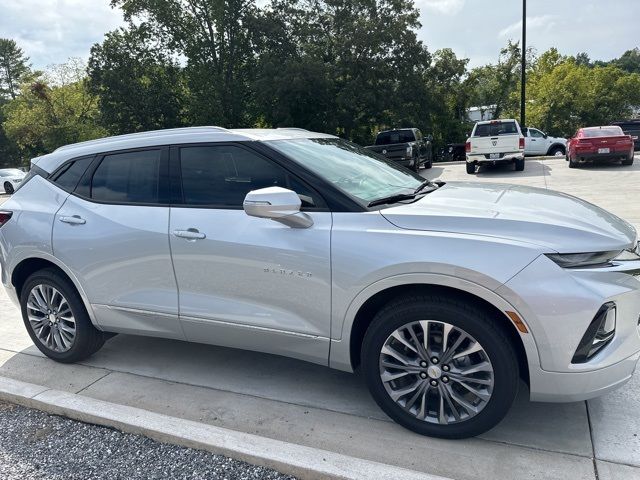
x: 445, y: 296
x: 11, y: 179
x: 538, y: 143
x: 493, y: 142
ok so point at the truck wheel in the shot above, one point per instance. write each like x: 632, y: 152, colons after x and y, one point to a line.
x: 428, y: 164
x: 628, y: 161
x: 416, y: 164
x: 471, y: 168
x: 519, y: 164
x: 556, y: 152
x: 439, y: 366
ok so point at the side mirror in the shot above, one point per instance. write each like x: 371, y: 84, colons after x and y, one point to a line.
x: 545, y: 135
x: 278, y: 204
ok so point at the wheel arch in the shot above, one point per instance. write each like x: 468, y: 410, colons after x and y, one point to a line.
x: 25, y: 267
x: 557, y: 145
x: 345, y: 352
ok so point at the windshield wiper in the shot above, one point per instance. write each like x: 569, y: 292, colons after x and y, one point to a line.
x: 426, y: 183
x: 392, y: 199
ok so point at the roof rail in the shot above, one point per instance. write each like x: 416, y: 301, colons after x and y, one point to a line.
x: 148, y: 134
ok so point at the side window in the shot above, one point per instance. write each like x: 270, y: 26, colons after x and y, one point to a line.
x: 536, y: 133
x: 70, y: 175
x: 222, y: 175
x: 132, y: 177
x: 418, y: 135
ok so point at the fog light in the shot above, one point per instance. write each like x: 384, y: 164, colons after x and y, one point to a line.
x: 600, y: 332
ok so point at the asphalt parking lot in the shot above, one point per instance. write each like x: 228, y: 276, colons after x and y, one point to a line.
x: 310, y: 405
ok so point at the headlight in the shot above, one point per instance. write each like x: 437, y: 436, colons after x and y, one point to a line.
x: 409, y: 151
x: 630, y: 254
x: 573, y: 260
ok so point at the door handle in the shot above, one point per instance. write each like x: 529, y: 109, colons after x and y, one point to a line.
x: 190, y: 234
x: 73, y: 220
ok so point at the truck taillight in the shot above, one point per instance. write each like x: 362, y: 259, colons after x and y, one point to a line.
x: 5, y: 215
x: 521, y: 144
x: 467, y: 147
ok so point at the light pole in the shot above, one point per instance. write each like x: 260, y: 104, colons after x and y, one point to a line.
x: 523, y: 66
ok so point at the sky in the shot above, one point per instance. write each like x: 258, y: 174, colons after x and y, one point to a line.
x: 51, y: 31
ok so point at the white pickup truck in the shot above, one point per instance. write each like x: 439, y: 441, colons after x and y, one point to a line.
x: 495, y: 141
x: 537, y: 143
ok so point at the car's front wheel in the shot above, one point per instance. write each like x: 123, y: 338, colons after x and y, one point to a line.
x: 56, y: 318
x: 440, y: 367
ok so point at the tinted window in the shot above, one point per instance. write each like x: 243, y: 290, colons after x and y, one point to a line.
x: 496, y: 128
x: 536, y: 133
x: 132, y: 177
x: 70, y: 175
x: 602, y: 132
x: 395, y: 136
x: 223, y: 175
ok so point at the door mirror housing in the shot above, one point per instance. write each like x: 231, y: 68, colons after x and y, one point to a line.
x: 545, y: 135
x: 279, y: 204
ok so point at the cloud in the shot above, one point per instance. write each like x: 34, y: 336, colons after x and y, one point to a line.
x: 546, y: 21
x: 51, y: 31
x: 444, y: 7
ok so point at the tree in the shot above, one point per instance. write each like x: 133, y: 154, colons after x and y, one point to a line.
x: 54, y: 110
x: 138, y: 84
x: 629, y: 61
x: 212, y: 37
x: 13, y: 68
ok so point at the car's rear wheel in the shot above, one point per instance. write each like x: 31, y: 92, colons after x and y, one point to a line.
x: 629, y: 160
x: 56, y: 318
x: 8, y: 188
x: 557, y: 152
x: 519, y: 164
x: 572, y: 164
x: 439, y: 367
x: 471, y: 168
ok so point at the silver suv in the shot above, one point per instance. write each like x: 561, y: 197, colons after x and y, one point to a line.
x: 295, y: 243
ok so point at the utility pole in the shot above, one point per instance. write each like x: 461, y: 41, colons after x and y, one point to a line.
x: 523, y: 75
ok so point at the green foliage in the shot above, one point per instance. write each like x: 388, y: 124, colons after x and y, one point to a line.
x: 139, y: 86
x: 13, y: 68
x: 53, y: 110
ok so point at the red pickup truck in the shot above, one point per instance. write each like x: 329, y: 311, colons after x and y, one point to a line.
x: 599, y: 143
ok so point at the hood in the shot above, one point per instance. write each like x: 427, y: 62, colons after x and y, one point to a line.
x: 551, y: 220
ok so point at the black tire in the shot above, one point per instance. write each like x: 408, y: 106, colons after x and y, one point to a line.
x: 472, y: 320
x: 416, y: 164
x: 8, y: 188
x: 555, y: 150
x: 88, y: 339
x: 471, y: 168
x: 572, y: 164
x: 519, y: 165
x: 428, y: 164
x: 628, y: 161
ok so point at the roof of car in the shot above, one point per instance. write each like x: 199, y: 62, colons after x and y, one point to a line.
x: 496, y: 120
x: 170, y: 136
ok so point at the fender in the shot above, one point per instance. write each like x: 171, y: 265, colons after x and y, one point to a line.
x: 340, y: 355
x: 554, y: 145
x: 50, y: 258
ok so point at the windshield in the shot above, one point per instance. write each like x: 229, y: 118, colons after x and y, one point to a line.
x: 353, y: 169
x: 495, y: 128
x: 11, y: 172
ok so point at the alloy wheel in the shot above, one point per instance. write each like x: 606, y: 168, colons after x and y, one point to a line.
x: 51, y: 318
x: 436, y: 372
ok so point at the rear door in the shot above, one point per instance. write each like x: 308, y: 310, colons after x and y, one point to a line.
x: 112, y: 232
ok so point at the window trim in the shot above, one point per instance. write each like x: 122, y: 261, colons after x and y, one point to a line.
x: 63, y: 167
x: 177, y: 197
x: 87, y: 179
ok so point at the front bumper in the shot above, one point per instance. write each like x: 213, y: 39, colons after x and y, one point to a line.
x: 558, y: 305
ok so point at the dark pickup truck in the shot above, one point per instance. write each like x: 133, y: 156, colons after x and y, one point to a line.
x: 407, y: 146
x: 631, y: 127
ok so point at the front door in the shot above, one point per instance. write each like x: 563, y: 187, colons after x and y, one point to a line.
x: 248, y: 282
x: 112, y: 233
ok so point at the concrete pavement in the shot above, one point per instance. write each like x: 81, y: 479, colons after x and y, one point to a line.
x: 311, y: 406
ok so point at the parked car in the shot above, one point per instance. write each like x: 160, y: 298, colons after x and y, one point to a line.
x: 538, y: 143
x: 632, y: 128
x: 11, y: 179
x: 600, y: 143
x: 407, y: 146
x: 493, y: 142
x: 301, y: 244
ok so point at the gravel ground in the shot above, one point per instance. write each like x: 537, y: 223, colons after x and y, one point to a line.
x: 35, y: 445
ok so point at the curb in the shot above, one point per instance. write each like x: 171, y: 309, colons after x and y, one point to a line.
x: 291, y: 459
